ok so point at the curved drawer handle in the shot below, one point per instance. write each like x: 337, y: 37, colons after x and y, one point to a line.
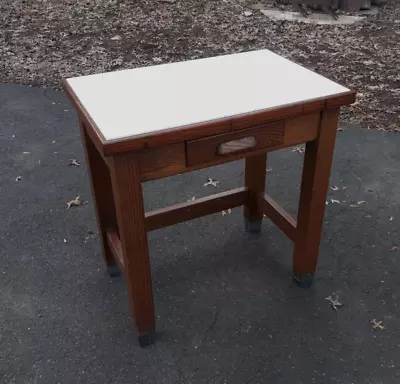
x: 237, y: 145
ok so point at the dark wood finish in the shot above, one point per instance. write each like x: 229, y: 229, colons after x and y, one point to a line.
x: 196, y: 131
x: 133, y: 237
x: 254, y: 181
x: 338, y: 101
x: 282, y: 219
x: 314, y: 186
x: 92, y: 131
x: 205, y: 150
x: 101, y: 191
x: 300, y: 129
x: 117, y: 168
x: 190, y: 210
x: 114, y: 243
x: 171, y: 160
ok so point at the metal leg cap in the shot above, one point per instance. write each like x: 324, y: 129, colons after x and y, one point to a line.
x: 113, y: 270
x: 304, y: 281
x: 146, y: 339
x: 252, y: 226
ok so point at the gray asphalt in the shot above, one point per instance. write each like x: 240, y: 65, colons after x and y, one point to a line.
x: 227, y: 310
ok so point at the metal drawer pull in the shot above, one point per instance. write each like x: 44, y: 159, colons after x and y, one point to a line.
x: 237, y: 145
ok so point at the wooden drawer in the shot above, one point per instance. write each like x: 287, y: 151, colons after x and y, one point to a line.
x: 235, y: 144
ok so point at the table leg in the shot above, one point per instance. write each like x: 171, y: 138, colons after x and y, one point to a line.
x: 102, y: 196
x: 314, y: 187
x: 133, y: 236
x: 255, y: 174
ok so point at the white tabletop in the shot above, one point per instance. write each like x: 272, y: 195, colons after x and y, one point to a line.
x: 143, y: 100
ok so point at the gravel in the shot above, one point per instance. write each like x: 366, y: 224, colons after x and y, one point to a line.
x: 44, y: 41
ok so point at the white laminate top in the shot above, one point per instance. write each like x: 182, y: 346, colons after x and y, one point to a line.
x: 143, y: 100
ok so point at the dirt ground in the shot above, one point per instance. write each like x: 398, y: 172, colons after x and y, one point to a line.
x: 44, y: 41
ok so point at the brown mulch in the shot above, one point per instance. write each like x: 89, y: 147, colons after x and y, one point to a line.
x: 43, y: 41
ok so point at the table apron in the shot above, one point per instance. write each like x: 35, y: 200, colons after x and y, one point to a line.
x: 190, y: 155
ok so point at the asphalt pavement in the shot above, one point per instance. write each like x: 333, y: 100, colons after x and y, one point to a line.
x: 227, y: 309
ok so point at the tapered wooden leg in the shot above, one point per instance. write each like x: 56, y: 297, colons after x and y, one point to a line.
x: 133, y: 236
x: 255, y: 174
x: 314, y: 186
x: 103, y: 197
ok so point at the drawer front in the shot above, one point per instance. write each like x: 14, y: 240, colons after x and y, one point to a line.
x: 235, y: 144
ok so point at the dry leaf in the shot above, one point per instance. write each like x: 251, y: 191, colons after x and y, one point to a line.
x: 326, y: 202
x: 394, y: 248
x: 116, y: 37
x: 268, y: 169
x: 247, y: 13
x: 18, y: 178
x: 74, y: 162
x: 333, y: 201
x: 53, y: 141
x: 391, y: 218
x: 228, y: 212
x: 335, y: 304
x: 26, y: 153
x: 76, y: 202
x: 344, y: 187
x: 361, y: 202
x: 192, y: 198
x: 212, y: 182
x: 377, y: 325
x: 340, y: 129
x: 353, y: 205
x: 65, y: 240
x: 335, y: 188
x: 298, y: 149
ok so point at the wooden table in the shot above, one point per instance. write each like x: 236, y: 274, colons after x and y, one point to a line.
x: 147, y: 123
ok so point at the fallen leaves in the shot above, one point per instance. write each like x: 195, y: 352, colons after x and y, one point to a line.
x: 394, y: 248
x: 334, y: 201
x: 335, y: 304
x: 76, y: 202
x: 299, y: 149
x: 228, y: 212
x: 377, y: 325
x: 18, y: 178
x: 357, y: 204
x: 334, y: 188
x: 212, y: 182
x: 247, y: 13
x: 74, y: 162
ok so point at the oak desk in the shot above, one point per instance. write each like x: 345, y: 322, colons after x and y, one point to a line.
x: 148, y: 123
